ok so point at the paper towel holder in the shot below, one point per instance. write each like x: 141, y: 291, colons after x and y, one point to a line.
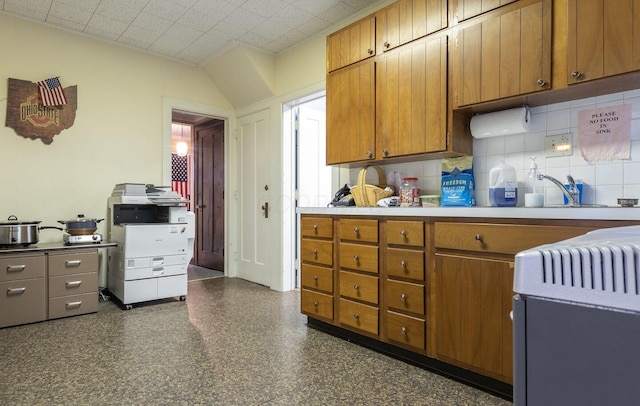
x: 503, y: 122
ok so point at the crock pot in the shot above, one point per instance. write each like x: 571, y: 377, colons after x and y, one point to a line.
x: 14, y: 232
x: 80, y: 225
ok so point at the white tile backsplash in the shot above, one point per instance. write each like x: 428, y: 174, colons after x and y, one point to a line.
x: 605, y: 181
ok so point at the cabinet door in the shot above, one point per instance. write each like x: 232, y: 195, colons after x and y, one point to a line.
x: 351, y: 114
x: 473, y: 324
x: 505, y: 55
x: 407, y: 20
x: 411, y: 99
x: 464, y: 9
x: 351, y: 44
x: 603, y: 38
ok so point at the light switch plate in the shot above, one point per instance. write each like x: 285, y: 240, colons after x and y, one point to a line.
x: 558, y: 145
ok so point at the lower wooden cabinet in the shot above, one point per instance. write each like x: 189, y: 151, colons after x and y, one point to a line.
x: 406, y: 330
x: 316, y: 304
x: 359, y: 316
x: 474, y: 302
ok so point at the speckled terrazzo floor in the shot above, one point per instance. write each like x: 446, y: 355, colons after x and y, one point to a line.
x: 231, y: 343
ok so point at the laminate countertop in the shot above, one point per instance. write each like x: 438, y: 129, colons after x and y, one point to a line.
x: 53, y: 246
x: 559, y: 213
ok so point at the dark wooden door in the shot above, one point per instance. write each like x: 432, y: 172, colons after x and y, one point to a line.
x: 209, y: 194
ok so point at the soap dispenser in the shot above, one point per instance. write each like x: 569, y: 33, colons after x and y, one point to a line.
x: 534, y: 189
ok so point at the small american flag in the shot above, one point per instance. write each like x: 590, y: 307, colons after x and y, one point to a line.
x: 51, y: 93
x: 180, y: 174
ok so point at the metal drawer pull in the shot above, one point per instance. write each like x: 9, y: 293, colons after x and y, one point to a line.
x: 315, y: 304
x: 74, y: 284
x: 478, y: 238
x: 403, y: 297
x: 403, y: 330
x: 541, y: 82
x: 74, y: 304
x: 403, y: 233
x: 356, y: 230
x: 315, y: 277
x: 315, y: 227
x: 403, y: 264
x: 356, y: 316
x: 315, y: 252
x: 74, y: 262
x: 16, y: 291
x: 356, y: 258
x: 356, y: 286
x: 16, y: 268
x: 576, y: 74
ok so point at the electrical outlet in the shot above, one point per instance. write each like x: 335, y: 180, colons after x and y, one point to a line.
x: 558, y: 145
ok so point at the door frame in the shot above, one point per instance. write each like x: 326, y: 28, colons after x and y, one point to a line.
x: 226, y: 115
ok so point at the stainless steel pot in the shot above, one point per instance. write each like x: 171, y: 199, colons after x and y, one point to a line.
x: 80, y: 225
x: 14, y: 232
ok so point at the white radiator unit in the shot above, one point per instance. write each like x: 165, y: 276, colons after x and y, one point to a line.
x: 576, y: 321
x: 599, y: 268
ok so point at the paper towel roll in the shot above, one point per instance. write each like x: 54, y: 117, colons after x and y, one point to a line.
x: 504, y: 122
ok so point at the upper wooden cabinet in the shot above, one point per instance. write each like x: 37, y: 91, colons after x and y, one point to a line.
x: 506, y: 54
x: 465, y: 9
x: 603, y: 38
x: 411, y: 99
x: 351, y: 44
x: 406, y: 20
x: 351, y: 114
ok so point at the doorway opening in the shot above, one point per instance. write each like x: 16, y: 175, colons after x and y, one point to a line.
x: 312, y: 182
x: 198, y: 174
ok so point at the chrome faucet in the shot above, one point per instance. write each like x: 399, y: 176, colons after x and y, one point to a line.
x: 572, y: 193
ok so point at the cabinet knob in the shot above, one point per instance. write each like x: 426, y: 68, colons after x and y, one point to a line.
x: 315, y: 252
x: 403, y: 264
x: 403, y: 233
x: 385, y: 152
x: 356, y: 258
x: 356, y: 286
x: 369, y: 154
x: 541, y: 82
x: 315, y: 304
x: 387, y: 44
x: 356, y: 316
x: 315, y: 227
x: 315, y: 277
x: 403, y: 297
x: 576, y: 74
x: 403, y: 330
x: 478, y: 238
x: 356, y: 230
x: 370, y: 51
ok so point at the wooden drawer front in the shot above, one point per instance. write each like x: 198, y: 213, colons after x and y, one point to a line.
x: 317, y: 251
x: 405, y: 233
x: 316, y: 304
x: 73, y: 262
x: 406, y: 330
x: 21, y: 267
x: 358, y: 286
x: 403, y: 263
x: 73, y: 284
x: 317, y: 277
x: 22, y: 302
x: 360, y: 257
x: 500, y: 238
x: 321, y: 227
x: 405, y: 296
x: 359, y: 315
x: 359, y: 230
x: 73, y: 305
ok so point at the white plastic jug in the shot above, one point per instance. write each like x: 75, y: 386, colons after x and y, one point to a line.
x: 503, y: 186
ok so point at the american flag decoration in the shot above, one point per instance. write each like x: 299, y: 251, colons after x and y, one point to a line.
x: 51, y: 93
x: 180, y: 174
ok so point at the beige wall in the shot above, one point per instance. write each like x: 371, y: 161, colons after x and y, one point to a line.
x: 118, y: 132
